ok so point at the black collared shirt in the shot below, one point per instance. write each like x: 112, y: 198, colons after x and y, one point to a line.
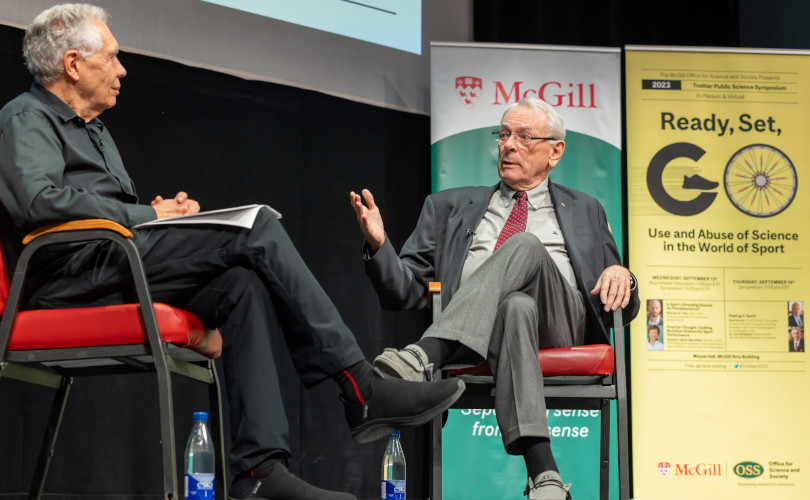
x: 55, y: 167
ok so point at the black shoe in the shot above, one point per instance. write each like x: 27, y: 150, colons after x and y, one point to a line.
x: 398, y: 404
x: 277, y: 483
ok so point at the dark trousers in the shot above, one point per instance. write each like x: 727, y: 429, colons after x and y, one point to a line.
x: 252, y: 285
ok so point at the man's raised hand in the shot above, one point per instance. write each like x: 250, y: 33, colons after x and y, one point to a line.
x: 369, y: 218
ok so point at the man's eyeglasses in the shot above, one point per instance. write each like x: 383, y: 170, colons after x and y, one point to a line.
x: 522, y: 138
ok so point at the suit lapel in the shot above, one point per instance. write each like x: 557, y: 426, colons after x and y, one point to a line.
x: 473, y: 213
x: 474, y: 210
x: 564, y: 208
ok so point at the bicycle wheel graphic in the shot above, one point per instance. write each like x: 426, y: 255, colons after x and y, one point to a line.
x: 760, y: 180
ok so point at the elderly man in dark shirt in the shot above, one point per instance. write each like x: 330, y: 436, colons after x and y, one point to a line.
x: 58, y: 162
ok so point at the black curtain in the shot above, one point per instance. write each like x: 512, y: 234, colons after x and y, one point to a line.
x: 614, y: 23
x: 227, y: 142
x: 611, y: 23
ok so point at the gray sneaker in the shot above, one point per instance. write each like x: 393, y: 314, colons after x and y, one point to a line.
x: 547, y: 486
x: 409, y: 363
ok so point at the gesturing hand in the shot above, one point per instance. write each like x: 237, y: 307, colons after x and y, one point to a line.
x: 369, y: 219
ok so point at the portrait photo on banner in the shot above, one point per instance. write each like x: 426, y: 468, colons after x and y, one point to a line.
x: 795, y: 326
x: 655, y: 325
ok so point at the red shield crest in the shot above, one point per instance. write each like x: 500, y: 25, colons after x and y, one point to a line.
x: 663, y: 468
x: 468, y: 89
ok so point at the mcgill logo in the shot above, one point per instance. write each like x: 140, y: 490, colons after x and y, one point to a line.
x: 468, y: 89
x: 569, y: 95
x: 664, y: 469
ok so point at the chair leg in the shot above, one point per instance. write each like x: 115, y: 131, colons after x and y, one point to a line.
x: 621, y: 406
x: 624, y: 452
x: 215, y: 404
x: 604, y: 451
x: 48, y: 447
x: 167, y: 447
x: 435, y: 433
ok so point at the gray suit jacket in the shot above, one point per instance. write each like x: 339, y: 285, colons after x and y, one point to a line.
x: 438, y: 247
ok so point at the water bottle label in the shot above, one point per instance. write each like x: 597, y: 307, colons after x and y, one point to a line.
x: 393, y: 489
x: 199, y: 486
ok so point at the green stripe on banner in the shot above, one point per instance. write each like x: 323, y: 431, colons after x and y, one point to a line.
x: 480, y: 469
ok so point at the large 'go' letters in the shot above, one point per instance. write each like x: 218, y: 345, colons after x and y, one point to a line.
x: 656, y: 186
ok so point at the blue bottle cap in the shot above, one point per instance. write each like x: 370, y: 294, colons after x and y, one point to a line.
x: 394, y: 434
x: 201, y: 416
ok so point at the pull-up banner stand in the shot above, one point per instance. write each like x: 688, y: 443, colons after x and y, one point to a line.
x: 471, y: 84
x: 717, y: 143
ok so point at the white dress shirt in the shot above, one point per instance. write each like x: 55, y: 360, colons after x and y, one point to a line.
x: 542, y: 222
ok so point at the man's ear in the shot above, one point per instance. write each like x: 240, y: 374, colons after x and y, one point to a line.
x: 556, y: 153
x: 70, y: 63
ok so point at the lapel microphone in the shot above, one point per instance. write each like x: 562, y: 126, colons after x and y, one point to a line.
x: 469, y: 233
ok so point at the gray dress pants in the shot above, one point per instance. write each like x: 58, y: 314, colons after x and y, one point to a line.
x: 514, y: 304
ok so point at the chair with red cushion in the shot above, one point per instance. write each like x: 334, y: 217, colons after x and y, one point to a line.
x: 580, y: 377
x: 50, y: 347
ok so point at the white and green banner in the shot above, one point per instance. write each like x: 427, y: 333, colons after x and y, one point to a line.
x: 471, y: 84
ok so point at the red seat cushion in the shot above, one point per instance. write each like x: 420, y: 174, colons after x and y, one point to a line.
x: 4, y: 284
x: 596, y: 359
x: 109, y: 325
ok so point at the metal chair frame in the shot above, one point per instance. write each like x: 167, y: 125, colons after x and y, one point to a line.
x: 569, y: 392
x: 42, y: 367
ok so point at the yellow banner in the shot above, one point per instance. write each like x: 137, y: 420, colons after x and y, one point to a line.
x: 717, y: 142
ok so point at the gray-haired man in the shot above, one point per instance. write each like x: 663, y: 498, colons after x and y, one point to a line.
x: 58, y: 162
x: 527, y: 264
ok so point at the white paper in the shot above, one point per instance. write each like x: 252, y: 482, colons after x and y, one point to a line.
x: 243, y: 216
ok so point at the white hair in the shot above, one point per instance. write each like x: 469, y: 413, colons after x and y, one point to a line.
x: 555, y: 127
x: 59, y: 29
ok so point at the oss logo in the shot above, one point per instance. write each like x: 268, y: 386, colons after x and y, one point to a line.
x: 748, y: 469
x: 759, y: 180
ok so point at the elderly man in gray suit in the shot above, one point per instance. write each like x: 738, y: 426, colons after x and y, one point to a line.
x: 527, y: 263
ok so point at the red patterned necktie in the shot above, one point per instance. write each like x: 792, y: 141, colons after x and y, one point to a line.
x: 516, y: 223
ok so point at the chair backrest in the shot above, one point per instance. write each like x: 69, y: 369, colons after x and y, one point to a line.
x: 4, y: 282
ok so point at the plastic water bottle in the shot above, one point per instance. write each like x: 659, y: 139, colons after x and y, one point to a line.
x: 200, y: 460
x: 393, y: 469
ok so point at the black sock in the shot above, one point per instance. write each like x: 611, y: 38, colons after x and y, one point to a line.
x: 438, y: 350
x: 355, y: 382
x: 537, y: 454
